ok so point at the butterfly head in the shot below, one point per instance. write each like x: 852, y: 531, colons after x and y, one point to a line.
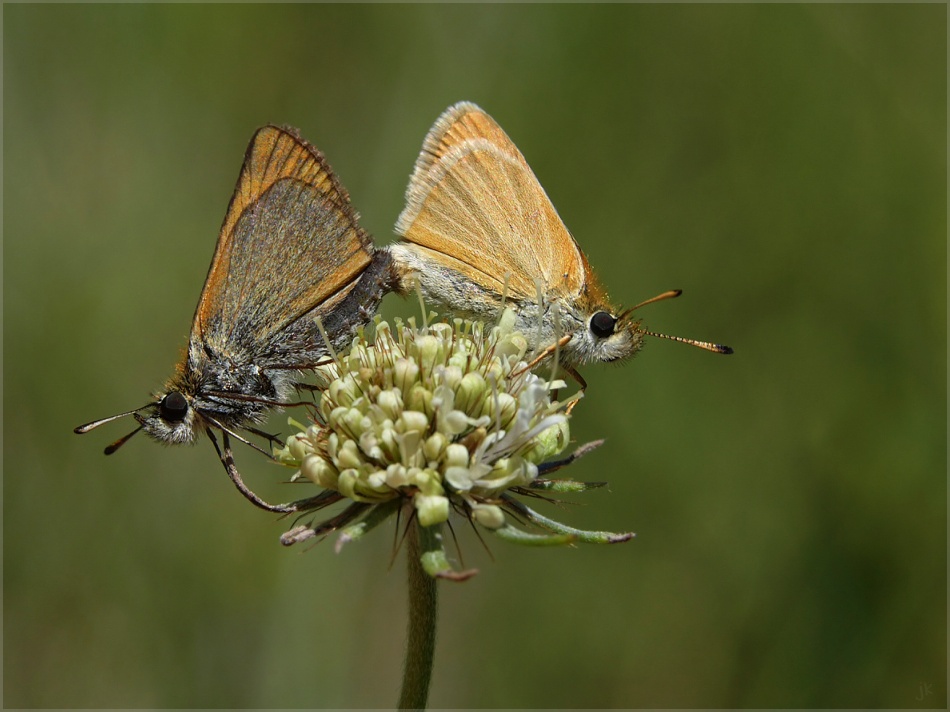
x: 603, y: 336
x: 171, y: 419
x: 611, y: 337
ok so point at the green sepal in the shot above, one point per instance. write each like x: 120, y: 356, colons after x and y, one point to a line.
x: 304, y: 532
x: 318, y: 501
x: 564, y: 486
x: 516, y: 536
x: 376, y: 516
x: 435, y: 561
x: 586, y: 537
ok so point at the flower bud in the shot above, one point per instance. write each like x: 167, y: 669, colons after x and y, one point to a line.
x: 431, y: 510
x: 419, y: 399
x: 549, y: 442
x: 505, y: 406
x: 456, y: 455
x: 451, y: 376
x: 348, y: 455
x: 405, y: 373
x: 411, y: 420
x: 470, y: 391
x: 390, y: 402
x: 434, y: 447
x: 488, y: 515
x: 429, y: 349
x: 319, y: 471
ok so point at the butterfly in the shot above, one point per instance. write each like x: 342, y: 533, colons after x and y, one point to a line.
x: 292, y: 276
x: 478, y: 231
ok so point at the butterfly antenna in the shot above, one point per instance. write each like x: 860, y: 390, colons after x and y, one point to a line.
x: 707, y: 345
x: 120, y: 442
x: 671, y: 294
x: 82, y: 429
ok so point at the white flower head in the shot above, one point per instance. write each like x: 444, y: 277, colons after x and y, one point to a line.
x: 444, y: 417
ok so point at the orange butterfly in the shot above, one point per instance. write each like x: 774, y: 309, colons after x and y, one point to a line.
x: 478, y: 229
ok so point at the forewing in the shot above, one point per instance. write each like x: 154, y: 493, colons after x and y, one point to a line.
x: 473, y: 197
x: 289, y: 247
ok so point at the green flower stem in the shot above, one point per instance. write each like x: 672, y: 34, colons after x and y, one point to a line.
x: 423, y: 609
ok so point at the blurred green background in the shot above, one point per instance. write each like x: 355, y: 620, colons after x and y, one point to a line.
x: 784, y: 165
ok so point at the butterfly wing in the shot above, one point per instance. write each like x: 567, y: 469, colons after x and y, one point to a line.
x: 474, y: 204
x: 290, y: 249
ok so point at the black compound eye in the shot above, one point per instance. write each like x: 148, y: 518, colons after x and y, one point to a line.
x: 174, y: 407
x: 602, y: 324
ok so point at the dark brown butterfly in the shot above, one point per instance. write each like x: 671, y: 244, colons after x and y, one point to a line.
x: 290, y: 257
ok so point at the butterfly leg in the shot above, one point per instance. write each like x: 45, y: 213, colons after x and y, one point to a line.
x: 560, y: 343
x: 580, y: 382
x: 227, y: 459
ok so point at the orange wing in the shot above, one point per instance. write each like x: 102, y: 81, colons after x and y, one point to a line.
x: 472, y: 197
x: 290, y: 243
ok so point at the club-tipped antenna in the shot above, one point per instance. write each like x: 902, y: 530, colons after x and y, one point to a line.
x: 707, y: 345
x: 82, y: 429
x: 672, y: 294
x: 120, y: 442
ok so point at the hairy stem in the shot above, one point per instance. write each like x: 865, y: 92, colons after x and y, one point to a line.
x: 420, y: 646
